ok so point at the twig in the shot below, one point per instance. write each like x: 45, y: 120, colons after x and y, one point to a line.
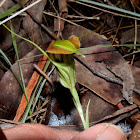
x: 123, y: 116
x: 94, y: 71
x: 49, y: 32
x: 99, y: 74
x: 8, y: 121
x: 128, y: 111
x: 84, y: 17
x: 47, y: 77
x: 50, y: 14
x: 118, y: 115
x: 114, y: 118
x: 40, y: 122
x: 72, y: 16
x: 117, y: 31
x: 120, y: 112
x: 36, y: 113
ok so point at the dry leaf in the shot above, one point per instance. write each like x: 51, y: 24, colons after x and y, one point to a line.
x: 113, y: 60
x: 31, y: 28
x: 129, y: 36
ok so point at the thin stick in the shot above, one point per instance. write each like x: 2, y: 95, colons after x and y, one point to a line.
x: 117, y: 31
x: 47, y: 77
x: 99, y: 74
x: 50, y: 14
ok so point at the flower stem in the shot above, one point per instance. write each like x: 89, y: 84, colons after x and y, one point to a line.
x: 79, y: 107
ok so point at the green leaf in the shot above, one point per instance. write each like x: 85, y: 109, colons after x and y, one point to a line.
x: 66, y: 70
x: 78, y: 106
x: 63, y: 47
x: 87, y: 116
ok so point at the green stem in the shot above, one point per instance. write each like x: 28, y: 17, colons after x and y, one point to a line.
x: 78, y: 106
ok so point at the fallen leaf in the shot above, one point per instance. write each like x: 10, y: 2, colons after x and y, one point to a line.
x: 31, y: 28
x: 108, y: 91
x: 117, y: 65
x: 136, y: 96
x: 6, y: 35
x: 112, y: 59
x: 129, y: 36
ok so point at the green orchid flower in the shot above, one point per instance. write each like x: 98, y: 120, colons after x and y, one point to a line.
x: 61, y: 56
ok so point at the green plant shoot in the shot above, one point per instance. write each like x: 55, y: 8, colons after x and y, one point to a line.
x: 65, y: 64
x: 66, y: 69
